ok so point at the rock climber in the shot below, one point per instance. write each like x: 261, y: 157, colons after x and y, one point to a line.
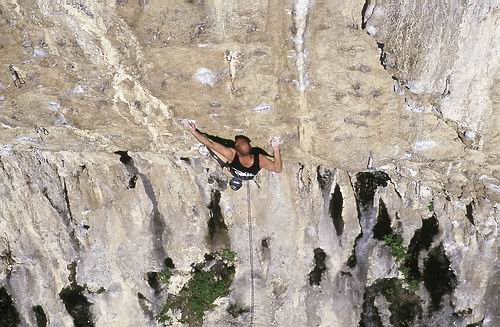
x: 242, y: 164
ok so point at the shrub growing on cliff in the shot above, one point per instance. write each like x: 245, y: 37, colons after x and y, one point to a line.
x: 165, y: 274
x: 395, y: 242
x: 404, y: 305
x: 430, y: 206
x: 209, y: 281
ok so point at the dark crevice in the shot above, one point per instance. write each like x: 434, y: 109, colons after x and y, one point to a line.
x: 52, y: 204
x: 157, y: 225
x: 447, y: 91
x: 40, y: 316
x: 132, y: 181
x: 439, y: 279
x: 421, y: 240
x: 370, y: 317
x: 168, y: 263
x: 72, y: 234
x: 366, y: 184
x: 65, y: 213
x: 237, y: 309
x: 153, y: 281
x: 383, y: 55
x: 9, y: 317
x: 145, y: 305
x: 345, y: 273
x: 265, y: 242
x: 75, y: 301
x: 365, y: 187
x: 469, y: 212
x: 319, y: 267
x: 265, y: 251
x: 352, y: 261
x: 300, y: 175
x: 217, y: 230
x: 335, y: 209
x: 363, y: 14
x: 156, y: 279
x: 395, y: 189
x: 404, y: 305
x: 124, y: 157
x: 383, y: 225
x: 325, y: 179
x: 5, y: 171
x: 66, y: 200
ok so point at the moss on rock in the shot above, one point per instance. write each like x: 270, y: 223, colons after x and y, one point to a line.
x: 209, y: 281
x: 404, y: 305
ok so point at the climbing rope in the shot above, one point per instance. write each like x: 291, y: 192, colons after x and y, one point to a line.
x: 250, y: 247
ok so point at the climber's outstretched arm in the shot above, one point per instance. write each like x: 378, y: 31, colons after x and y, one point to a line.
x: 276, y: 165
x: 226, y: 152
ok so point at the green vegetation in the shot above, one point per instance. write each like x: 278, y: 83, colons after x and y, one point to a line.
x: 430, y: 206
x: 157, y: 280
x: 395, y: 242
x: 209, y: 281
x: 351, y: 261
x: 164, y: 275
x: 404, y: 305
x: 228, y: 255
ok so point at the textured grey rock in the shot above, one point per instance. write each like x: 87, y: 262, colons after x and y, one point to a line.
x: 112, y: 76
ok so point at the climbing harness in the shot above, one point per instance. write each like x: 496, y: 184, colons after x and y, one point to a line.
x: 15, y: 76
x: 237, y: 181
x: 250, y: 248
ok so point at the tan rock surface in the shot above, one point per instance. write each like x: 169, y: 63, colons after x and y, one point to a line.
x: 120, y: 75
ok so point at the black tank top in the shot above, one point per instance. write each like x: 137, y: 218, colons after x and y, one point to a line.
x: 242, y: 171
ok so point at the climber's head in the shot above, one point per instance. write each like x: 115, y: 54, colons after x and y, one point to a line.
x: 242, y: 145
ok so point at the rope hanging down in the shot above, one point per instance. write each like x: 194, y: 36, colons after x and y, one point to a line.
x: 250, y: 248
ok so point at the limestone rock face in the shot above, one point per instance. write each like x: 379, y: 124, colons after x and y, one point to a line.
x: 385, y: 214
x: 444, y: 56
